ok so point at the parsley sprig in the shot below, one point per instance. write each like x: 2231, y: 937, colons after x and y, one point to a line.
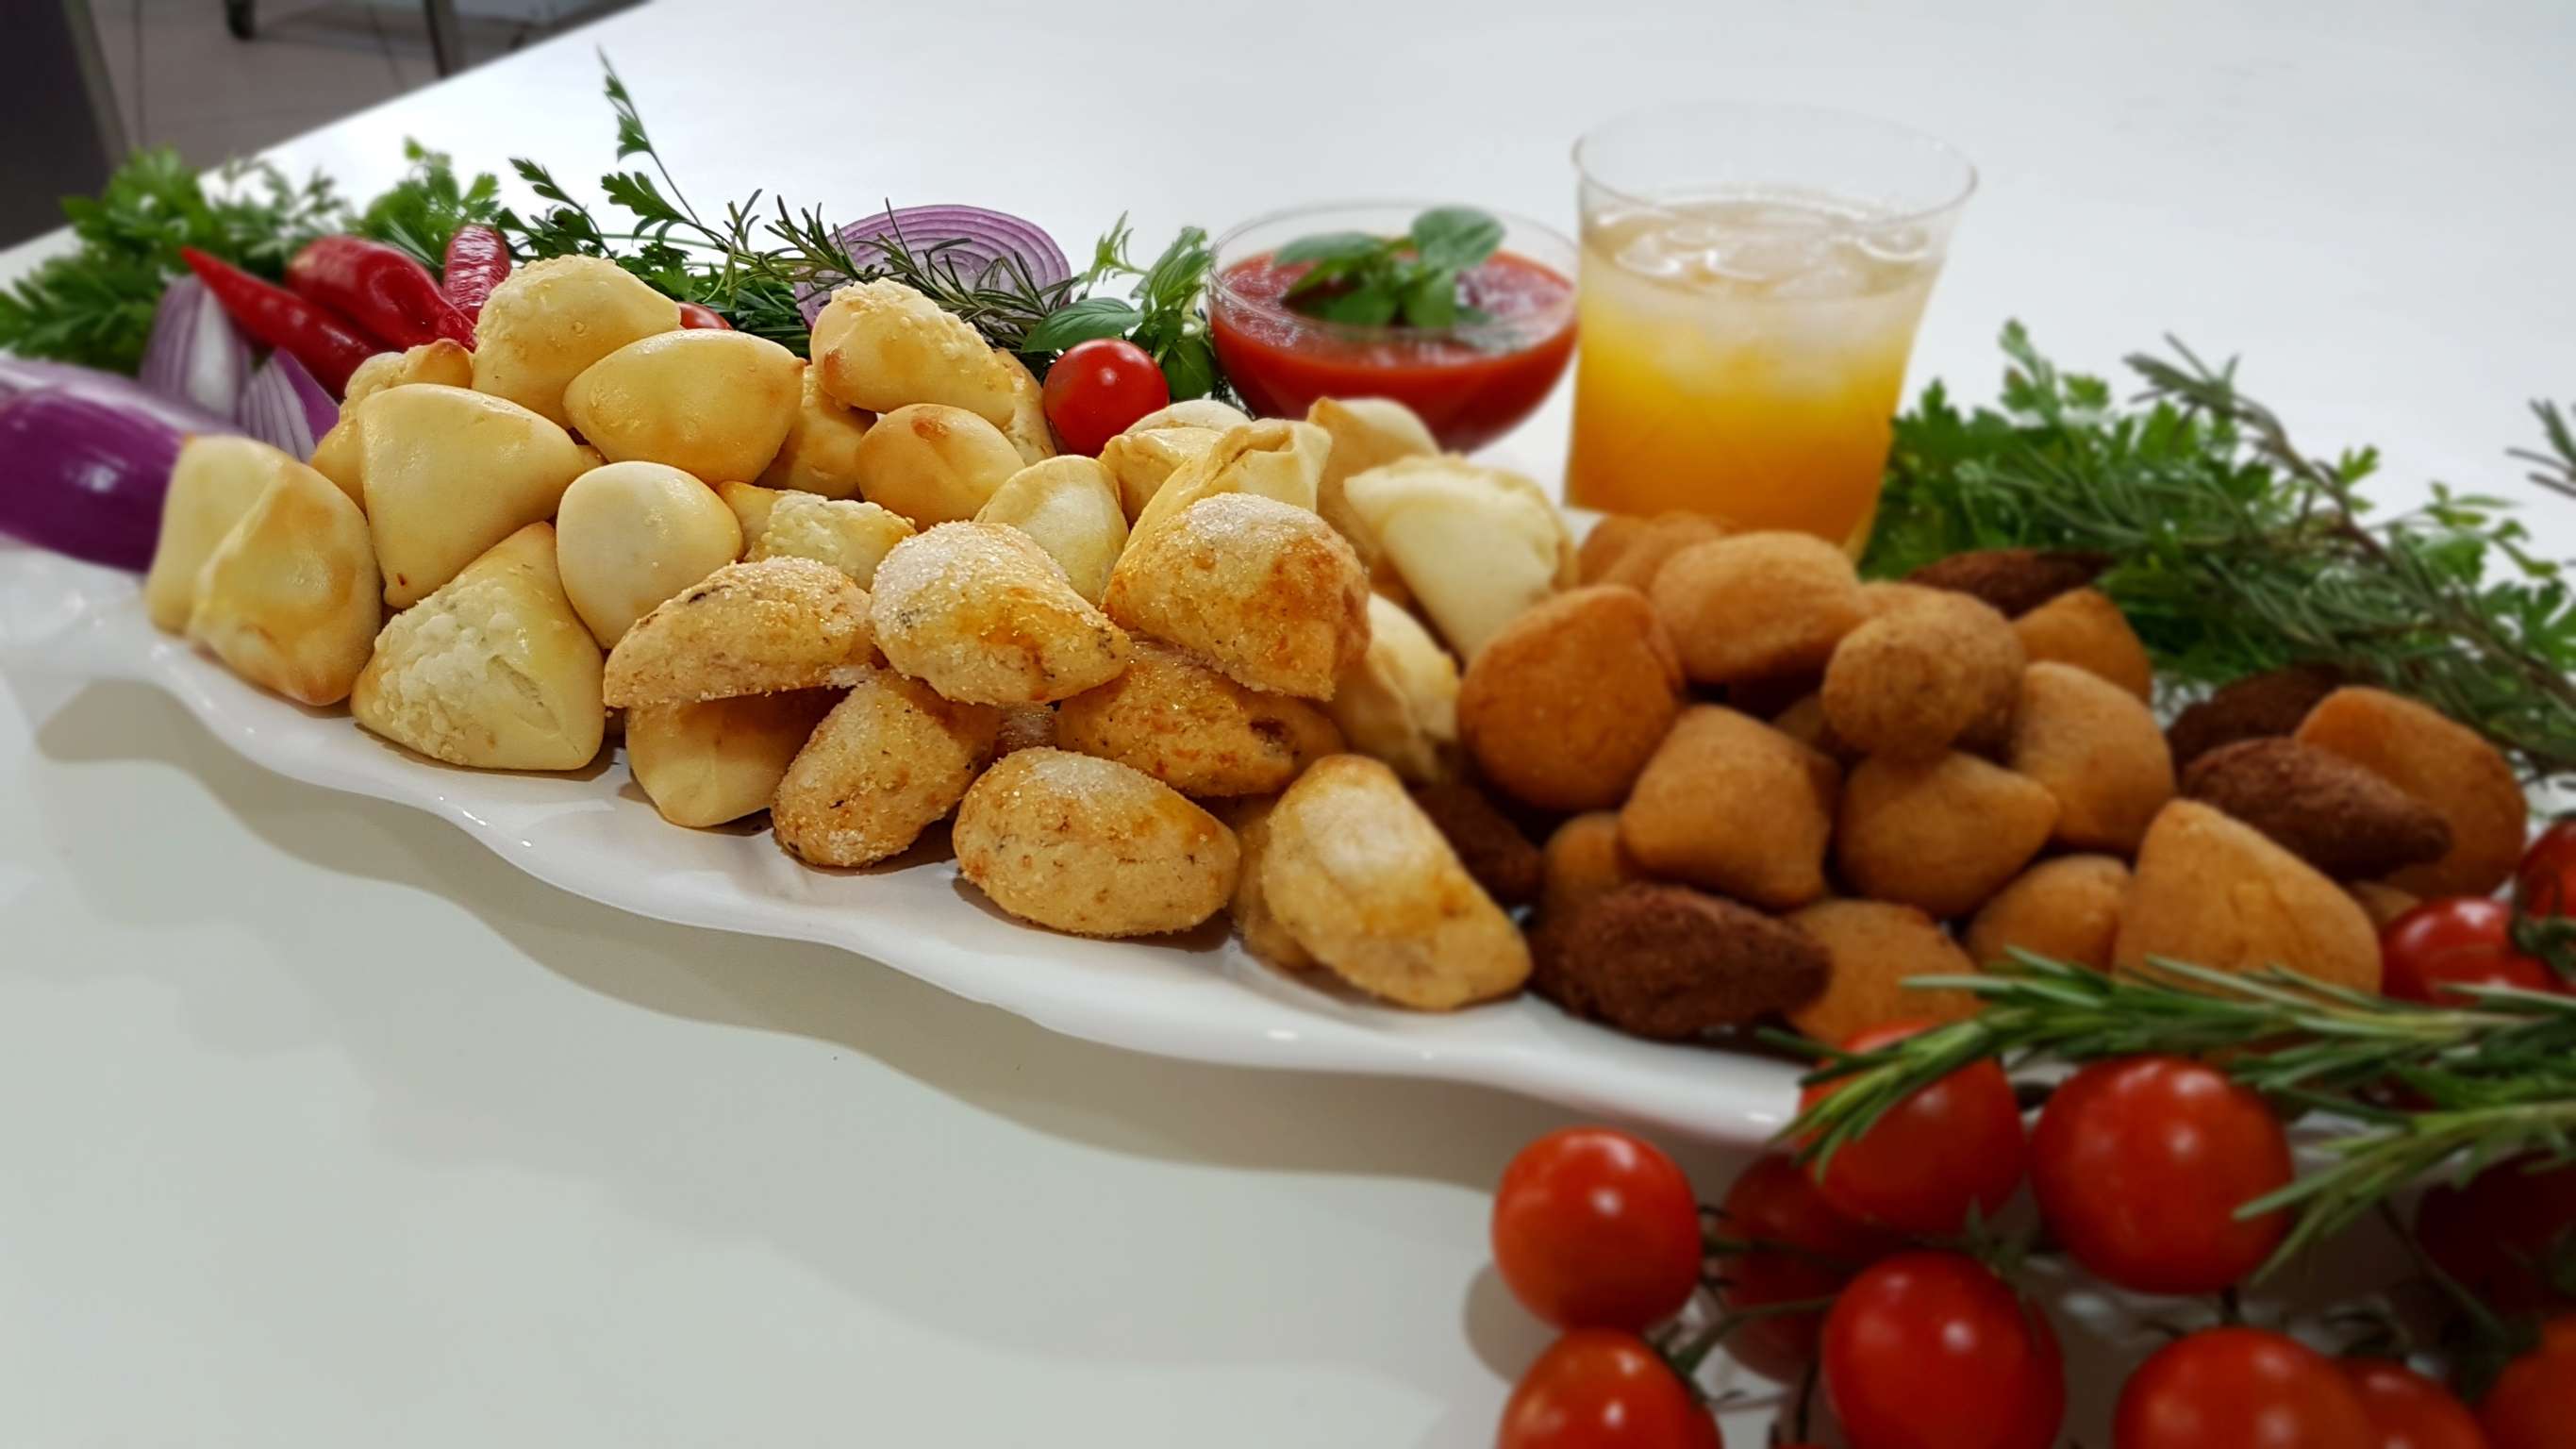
x: 1369, y: 281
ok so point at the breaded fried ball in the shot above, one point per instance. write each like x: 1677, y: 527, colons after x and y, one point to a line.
x: 1565, y: 705
x: 1941, y: 834
x: 1268, y: 592
x: 1612, y: 536
x: 889, y: 761
x: 2216, y: 892
x: 1805, y: 722
x: 2320, y: 807
x: 2012, y: 581
x: 1362, y: 879
x: 1670, y: 964
x: 1491, y: 847
x: 2067, y: 909
x: 1584, y: 859
x: 1915, y: 679
x: 1173, y: 716
x: 1755, y: 605
x: 2259, y: 706
x: 985, y: 616
x: 1092, y: 848
x: 1641, y: 559
x: 1254, y: 922
x: 748, y: 628
x: 2442, y: 763
x: 1875, y: 948
x: 1730, y: 804
x: 2098, y: 750
x: 2084, y: 628
x: 1882, y: 597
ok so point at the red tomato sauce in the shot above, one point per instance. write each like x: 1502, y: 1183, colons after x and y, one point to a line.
x: 1471, y: 384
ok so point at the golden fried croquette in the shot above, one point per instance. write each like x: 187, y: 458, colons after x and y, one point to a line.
x: 747, y: 628
x: 1882, y: 597
x: 1092, y: 848
x: 1610, y: 537
x: 985, y: 616
x: 1913, y: 680
x: 2320, y: 807
x: 1755, y: 605
x: 1805, y: 722
x: 1362, y: 879
x: 1639, y: 561
x: 1583, y: 859
x: 1875, y: 947
x: 721, y: 759
x: 1492, y: 848
x: 1730, y: 804
x: 1025, y: 727
x: 2380, y: 901
x: 1258, y: 926
x: 1668, y: 963
x: 1173, y: 716
x: 2067, y: 909
x: 2012, y: 581
x: 1399, y: 702
x: 2259, y: 706
x: 2084, y: 628
x: 889, y: 761
x: 2098, y: 750
x: 2216, y: 892
x: 1267, y: 592
x: 1943, y: 834
x: 1565, y: 705
x: 2442, y: 763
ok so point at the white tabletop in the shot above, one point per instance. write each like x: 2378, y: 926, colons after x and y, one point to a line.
x: 327, y: 1127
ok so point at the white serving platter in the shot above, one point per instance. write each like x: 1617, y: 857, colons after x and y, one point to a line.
x: 593, y: 834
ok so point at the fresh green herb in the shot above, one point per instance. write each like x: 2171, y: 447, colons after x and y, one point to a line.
x: 2237, y: 552
x: 2496, y: 1077
x: 1369, y: 281
x: 1163, y: 316
x: 425, y: 208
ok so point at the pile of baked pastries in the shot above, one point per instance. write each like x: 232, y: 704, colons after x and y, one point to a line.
x: 1365, y: 697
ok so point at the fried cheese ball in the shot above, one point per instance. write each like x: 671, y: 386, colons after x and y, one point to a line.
x: 1070, y: 507
x: 442, y: 360
x: 1876, y: 947
x: 1757, y: 605
x: 1640, y: 560
x: 1612, y: 534
x: 1583, y: 859
x: 1882, y: 597
x: 2067, y: 909
x: 214, y: 481
x: 934, y: 464
x: 1254, y: 922
x: 846, y: 533
x: 444, y: 474
x: 630, y: 535
x: 2098, y: 749
x: 494, y: 671
x: 712, y: 402
x: 1912, y: 681
x: 752, y: 505
x: 1942, y: 834
x: 2216, y: 893
x: 2442, y: 763
x: 721, y: 759
x: 1269, y: 593
x: 288, y: 598
x: 747, y: 628
x: 881, y: 346
x: 550, y: 320
x: 890, y: 761
x: 983, y: 615
x: 2320, y: 807
x: 1563, y: 708
x: 1805, y: 722
x: 2084, y: 628
x: 1399, y: 702
x: 1092, y: 848
x: 1173, y: 716
x: 820, y: 453
x: 1670, y: 964
x: 1732, y: 805
x: 1491, y: 847
x: 1363, y: 880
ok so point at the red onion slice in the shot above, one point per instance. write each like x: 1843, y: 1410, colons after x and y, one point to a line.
x: 89, y: 457
x: 195, y: 354
x: 285, y: 407
x: 967, y: 241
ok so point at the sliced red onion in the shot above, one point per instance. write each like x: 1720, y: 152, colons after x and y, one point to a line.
x: 967, y: 240
x: 284, y: 407
x: 89, y: 457
x: 196, y: 354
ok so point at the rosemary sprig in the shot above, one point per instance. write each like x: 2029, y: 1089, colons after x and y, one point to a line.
x: 2495, y: 1077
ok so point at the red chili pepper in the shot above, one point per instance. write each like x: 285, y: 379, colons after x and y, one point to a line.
x: 379, y: 288
x: 705, y: 318
x: 478, y: 258
x: 324, y: 342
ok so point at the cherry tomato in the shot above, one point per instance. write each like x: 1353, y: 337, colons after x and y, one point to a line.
x: 1919, y: 1168
x: 2407, y: 1410
x: 2533, y: 1402
x: 1097, y: 388
x: 1597, y: 1229
x: 2546, y: 883
x: 1932, y: 1351
x: 1600, y: 1389
x: 1819, y: 1249
x: 2508, y: 1234
x: 699, y: 317
x: 2140, y: 1164
x: 2461, y: 941
x: 2239, y: 1388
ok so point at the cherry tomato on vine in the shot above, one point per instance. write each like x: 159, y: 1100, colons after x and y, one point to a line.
x: 697, y: 316
x: 2239, y: 1388
x: 2546, y: 883
x: 1597, y: 1229
x: 2461, y: 941
x: 1817, y: 1251
x: 1596, y: 1388
x: 2508, y: 1235
x: 1097, y: 388
x: 2407, y: 1410
x: 2140, y: 1164
x: 1952, y: 1145
x: 1930, y: 1350
x: 2532, y: 1404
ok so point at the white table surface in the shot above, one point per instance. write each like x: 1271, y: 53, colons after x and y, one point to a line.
x: 326, y: 1127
